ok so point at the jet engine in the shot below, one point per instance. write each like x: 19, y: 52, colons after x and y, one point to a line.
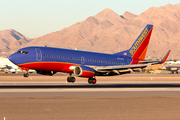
x: 45, y: 72
x: 83, y: 71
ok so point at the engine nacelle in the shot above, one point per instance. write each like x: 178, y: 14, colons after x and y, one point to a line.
x: 83, y: 71
x: 45, y: 72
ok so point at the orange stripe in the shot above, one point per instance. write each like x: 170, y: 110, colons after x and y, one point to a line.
x: 142, y: 56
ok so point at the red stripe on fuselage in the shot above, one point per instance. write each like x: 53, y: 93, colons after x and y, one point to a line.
x: 50, y: 66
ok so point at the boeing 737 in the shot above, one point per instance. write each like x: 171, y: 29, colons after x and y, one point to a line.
x: 49, y: 60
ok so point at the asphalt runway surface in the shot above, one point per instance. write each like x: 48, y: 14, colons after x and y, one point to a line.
x: 133, y: 96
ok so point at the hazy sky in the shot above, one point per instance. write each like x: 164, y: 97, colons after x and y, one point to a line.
x: 35, y: 18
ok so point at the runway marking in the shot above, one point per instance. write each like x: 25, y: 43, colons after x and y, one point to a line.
x: 92, y: 90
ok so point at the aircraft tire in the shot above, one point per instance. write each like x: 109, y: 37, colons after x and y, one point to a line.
x: 26, y: 74
x: 71, y: 79
x: 92, y: 81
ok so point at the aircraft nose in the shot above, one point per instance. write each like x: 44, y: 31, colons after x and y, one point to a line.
x: 13, y: 58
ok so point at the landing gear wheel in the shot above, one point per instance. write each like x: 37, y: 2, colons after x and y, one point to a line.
x: 71, y: 79
x: 92, y: 81
x: 26, y: 74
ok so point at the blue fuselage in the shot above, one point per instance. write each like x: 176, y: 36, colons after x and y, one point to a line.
x: 48, y: 54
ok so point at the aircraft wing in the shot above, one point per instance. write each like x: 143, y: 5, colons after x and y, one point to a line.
x: 134, y: 66
x: 121, y: 67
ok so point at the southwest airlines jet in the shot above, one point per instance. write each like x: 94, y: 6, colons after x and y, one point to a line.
x: 49, y: 60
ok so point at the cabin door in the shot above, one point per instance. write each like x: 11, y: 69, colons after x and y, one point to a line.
x: 129, y: 61
x: 38, y: 54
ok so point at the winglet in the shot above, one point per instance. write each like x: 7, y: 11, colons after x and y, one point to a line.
x: 165, y: 57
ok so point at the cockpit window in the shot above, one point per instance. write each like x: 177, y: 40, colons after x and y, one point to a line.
x: 22, y: 52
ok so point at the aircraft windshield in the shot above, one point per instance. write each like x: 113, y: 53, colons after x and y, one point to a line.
x: 23, y: 52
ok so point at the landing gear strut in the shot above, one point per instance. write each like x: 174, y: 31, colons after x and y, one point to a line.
x: 92, y: 80
x: 26, y: 74
x: 71, y: 79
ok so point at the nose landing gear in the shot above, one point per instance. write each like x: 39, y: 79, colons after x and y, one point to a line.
x: 26, y: 74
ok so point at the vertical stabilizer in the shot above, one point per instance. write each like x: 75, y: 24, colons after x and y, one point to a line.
x: 139, y: 48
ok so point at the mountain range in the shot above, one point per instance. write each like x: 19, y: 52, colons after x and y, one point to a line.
x: 108, y: 32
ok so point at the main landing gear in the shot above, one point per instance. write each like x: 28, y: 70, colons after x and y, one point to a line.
x: 71, y: 79
x: 92, y: 80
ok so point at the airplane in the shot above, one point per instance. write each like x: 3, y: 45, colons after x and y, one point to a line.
x: 7, y: 66
x: 173, y: 69
x: 50, y: 60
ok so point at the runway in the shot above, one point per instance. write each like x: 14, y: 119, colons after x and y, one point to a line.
x: 14, y: 85
x: 122, y: 97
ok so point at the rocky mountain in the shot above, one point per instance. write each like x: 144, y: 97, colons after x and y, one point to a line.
x: 109, y: 32
x: 11, y: 40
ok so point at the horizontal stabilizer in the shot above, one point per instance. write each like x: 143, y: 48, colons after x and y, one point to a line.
x: 165, y: 57
x: 156, y: 62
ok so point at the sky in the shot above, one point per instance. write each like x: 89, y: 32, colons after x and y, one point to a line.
x: 35, y: 18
